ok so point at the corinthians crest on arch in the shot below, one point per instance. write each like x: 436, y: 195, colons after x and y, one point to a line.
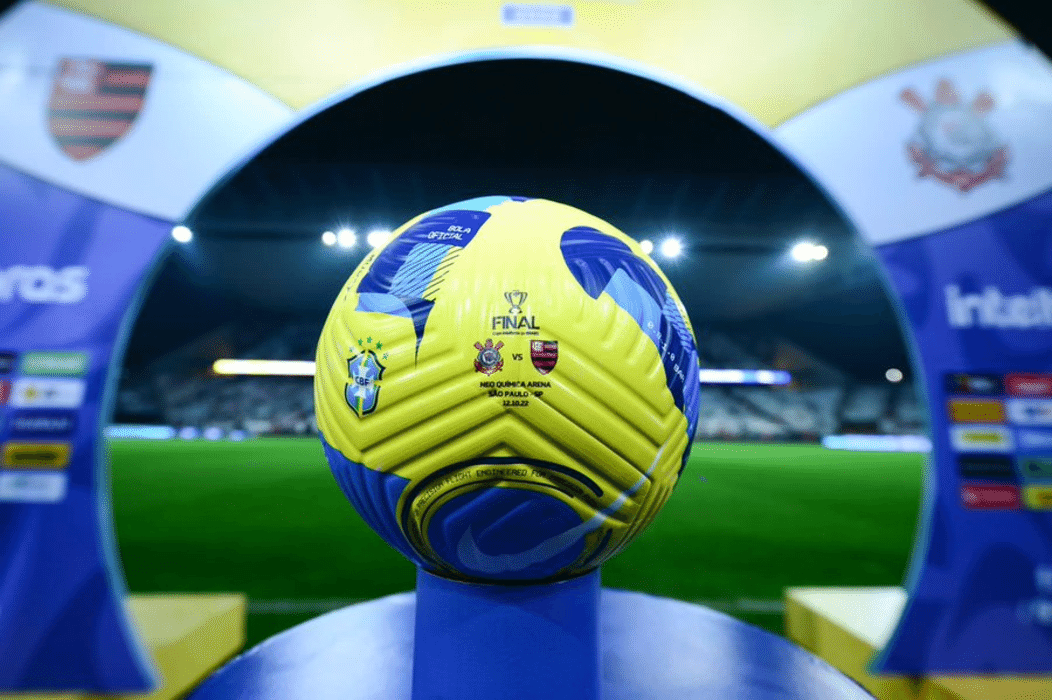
x: 954, y: 142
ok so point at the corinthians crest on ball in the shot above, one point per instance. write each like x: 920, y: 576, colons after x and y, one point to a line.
x: 954, y: 142
x: 489, y: 359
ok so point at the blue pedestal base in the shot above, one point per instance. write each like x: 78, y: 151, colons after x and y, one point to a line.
x: 519, y: 642
x: 649, y: 649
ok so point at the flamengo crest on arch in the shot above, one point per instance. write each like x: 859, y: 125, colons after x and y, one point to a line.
x: 953, y: 142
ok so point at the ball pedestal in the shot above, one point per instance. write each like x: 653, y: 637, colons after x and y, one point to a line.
x: 511, y: 642
x: 461, y: 642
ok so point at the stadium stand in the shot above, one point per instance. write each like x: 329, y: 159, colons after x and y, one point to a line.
x: 179, y: 389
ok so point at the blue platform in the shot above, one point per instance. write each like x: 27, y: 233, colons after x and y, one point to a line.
x: 649, y: 649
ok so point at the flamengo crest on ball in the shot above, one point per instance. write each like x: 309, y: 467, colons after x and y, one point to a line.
x: 507, y: 390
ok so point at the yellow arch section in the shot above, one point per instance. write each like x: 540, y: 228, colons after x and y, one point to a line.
x: 771, y: 58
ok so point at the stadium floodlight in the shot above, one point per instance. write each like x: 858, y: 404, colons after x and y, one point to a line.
x: 377, y: 237
x: 893, y: 375
x: 278, y: 368
x: 806, y: 251
x: 647, y: 246
x: 328, y: 238
x: 182, y: 234
x: 346, y: 238
x: 671, y: 247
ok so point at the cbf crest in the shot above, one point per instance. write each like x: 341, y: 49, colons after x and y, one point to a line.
x: 365, y: 372
x: 953, y: 142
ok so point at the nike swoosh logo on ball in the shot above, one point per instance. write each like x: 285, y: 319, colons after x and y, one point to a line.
x: 492, y: 564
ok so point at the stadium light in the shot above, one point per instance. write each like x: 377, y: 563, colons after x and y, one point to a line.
x: 744, y: 376
x: 182, y: 234
x: 893, y: 375
x: 279, y: 368
x: 345, y: 238
x: 647, y: 246
x: 377, y: 237
x: 806, y: 251
x: 328, y: 238
x: 671, y: 247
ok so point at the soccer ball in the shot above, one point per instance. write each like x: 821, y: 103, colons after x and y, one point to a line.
x: 507, y: 390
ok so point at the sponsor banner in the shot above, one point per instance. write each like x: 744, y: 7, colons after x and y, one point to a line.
x: 47, y: 393
x: 64, y: 364
x: 1019, y: 384
x: 980, y: 384
x: 935, y: 145
x: 7, y: 362
x: 976, y: 411
x: 42, y: 423
x: 975, y: 298
x: 68, y: 280
x: 36, y: 455
x: 1038, y: 497
x: 31, y: 487
x: 1029, y: 411
x: 986, y: 467
x: 981, y: 438
x: 990, y: 497
x: 94, y: 107
x: 1035, y: 468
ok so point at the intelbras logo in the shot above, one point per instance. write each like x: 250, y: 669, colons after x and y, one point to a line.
x: 992, y: 308
x: 40, y: 284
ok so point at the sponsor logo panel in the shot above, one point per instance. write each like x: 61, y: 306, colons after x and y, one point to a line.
x: 43, y: 423
x: 981, y: 384
x: 47, y: 393
x: 1026, y: 384
x: 976, y: 411
x: 65, y: 364
x: 7, y: 362
x: 29, y: 487
x: 986, y: 467
x: 990, y: 497
x: 1038, y: 497
x: 1035, y: 438
x: 36, y: 455
x: 1035, y: 468
x: 981, y: 438
x: 1030, y: 411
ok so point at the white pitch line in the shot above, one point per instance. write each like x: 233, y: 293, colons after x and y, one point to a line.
x: 317, y: 606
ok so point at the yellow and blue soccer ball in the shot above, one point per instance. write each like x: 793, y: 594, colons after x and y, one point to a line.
x: 507, y: 390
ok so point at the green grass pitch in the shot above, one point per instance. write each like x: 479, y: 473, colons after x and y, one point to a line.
x: 265, y: 517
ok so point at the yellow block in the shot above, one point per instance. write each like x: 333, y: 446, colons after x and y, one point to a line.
x: 1038, y: 497
x: 976, y: 410
x: 773, y: 58
x: 189, y: 636
x: 848, y: 626
x: 36, y: 455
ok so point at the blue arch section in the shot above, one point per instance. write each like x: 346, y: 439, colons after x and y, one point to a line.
x: 601, y: 263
